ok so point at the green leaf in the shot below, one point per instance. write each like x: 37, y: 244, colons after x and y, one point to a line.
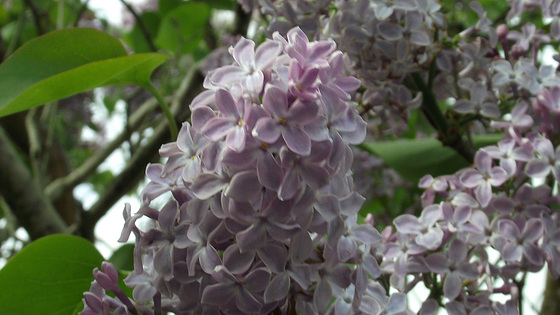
x: 413, y: 159
x: 183, y: 27
x: 123, y: 257
x: 48, y: 276
x: 65, y: 62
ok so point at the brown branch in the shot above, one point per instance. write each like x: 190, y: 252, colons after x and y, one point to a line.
x: 36, y: 16
x: 24, y: 196
x: 142, y: 26
x: 77, y: 176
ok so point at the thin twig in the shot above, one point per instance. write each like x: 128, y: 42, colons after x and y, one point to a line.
x: 32, y: 209
x: 81, y: 11
x: 36, y: 16
x: 60, y: 185
x: 142, y: 26
x: 35, y: 147
x: 19, y: 28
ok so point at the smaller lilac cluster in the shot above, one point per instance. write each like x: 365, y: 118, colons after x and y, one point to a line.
x: 263, y: 214
x: 384, y: 42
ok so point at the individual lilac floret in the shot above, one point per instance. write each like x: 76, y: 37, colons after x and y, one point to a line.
x: 427, y: 233
x: 455, y: 266
x: 483, y: 177
x: 477, y: 103
x: 287, y: 120
x: 250, y: 65
x: 548, y: 160
x: 516, y: 244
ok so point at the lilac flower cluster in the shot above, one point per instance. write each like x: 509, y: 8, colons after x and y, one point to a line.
x: 263, y: 211
x: 384, y: 42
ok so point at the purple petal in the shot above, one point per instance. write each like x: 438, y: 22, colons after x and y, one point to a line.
x: 297, y: 140
x: 534, y: 254
x: 512, y: 252
x: 247, y: 303
x: 278, y: 288
x: 328, y: 206
x: 207, y: 185
x: 463, y: 107
x: 251, y: 238
x: 235, y: 139
x: 216, y: 128
x: 237, y: 262
x: 243, y: 186
x: 266, y: 54
x: 532, y: 231
x: 420, y: 38
x: 200, y: 116
x: 257, y: 279
x: 452, y: 286
x: 437, y: 263
x: 267, y: 130
x: 275, y: 101
x: 163, y: 260
x: 457, y: 251
x: 227, y: 74
x: 322, y: 295
x: 538, y: 168
x: 269, y: 172
x: 430, y: 215
x: 244, y: 53
x: 390, y: 31
x: 218, y: 294
x: 396, y: 303
x: 289, y: 186
x: 346, y: 249
x: 274, y: 256
x: 209, y: 259
x: 301, y: 247
x: 471, y: 178
x: 315, y: 176
x: 407, y: 223
x: 226, y: 104
x: 483, y: 193
x: 365, y: 234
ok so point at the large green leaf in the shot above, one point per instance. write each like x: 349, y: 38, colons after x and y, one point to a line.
x: 65, y: 62
x: 123, y: 257
x: 183, y: 27
x: 413, y: 159
x: 48, y: 276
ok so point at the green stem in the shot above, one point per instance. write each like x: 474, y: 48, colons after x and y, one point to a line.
x: 449, y: 136
x: 60, y: 15
x: 166, y: 111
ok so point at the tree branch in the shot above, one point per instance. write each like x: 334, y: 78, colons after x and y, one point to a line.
x: 142, y: 26
x: 77, y: 176
x: 36, y: 16
x: 448, y: 136
x: 24, y: 196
